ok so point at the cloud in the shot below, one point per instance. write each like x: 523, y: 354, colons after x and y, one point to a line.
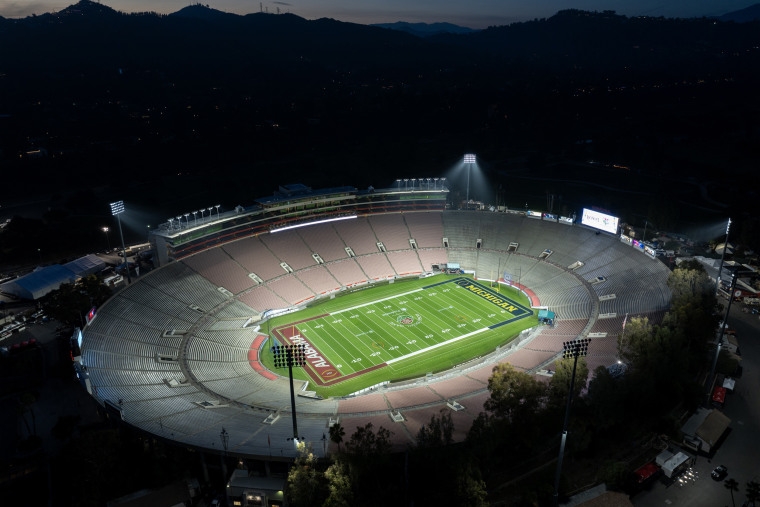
x: 282, y: 3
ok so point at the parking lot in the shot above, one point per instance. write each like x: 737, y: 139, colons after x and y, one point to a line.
x: 740, y: 447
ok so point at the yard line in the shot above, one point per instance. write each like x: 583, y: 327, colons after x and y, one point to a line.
x: 452, y: 340
x: 376, y: 301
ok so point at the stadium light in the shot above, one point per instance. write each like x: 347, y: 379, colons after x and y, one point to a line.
x: 723, y: 327
x: 435, y: 183
x: 398, y: 184
x: 195, y: 218
x: 225, y: 438
x: 117, y: 208
x: 406, y: 183
x: 210, y: 209
x: 290, y: 356
x: 217, y: 210
x: 187, y: 221
x: 108, y: 240
x: 575, y: 349
x: 722, y: 256
x: 469, y: 159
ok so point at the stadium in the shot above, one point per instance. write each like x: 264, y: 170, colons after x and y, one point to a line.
x: 431, y: 298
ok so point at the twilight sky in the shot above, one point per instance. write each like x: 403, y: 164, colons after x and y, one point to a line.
x: 472, y: 13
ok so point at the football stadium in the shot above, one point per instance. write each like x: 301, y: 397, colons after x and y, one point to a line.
x: 396, y: 307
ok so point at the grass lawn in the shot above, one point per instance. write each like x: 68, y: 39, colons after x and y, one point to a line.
x: 400, y: 330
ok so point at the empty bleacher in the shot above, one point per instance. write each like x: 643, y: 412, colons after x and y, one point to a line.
x: 390, y: 229
x: 217, y: 267
x: 130, y: 358
x: 323, y: 240
x: 288, y: 247
x: 255, y: 257
x: 426, y: 228
x: 358, y: 235
x: 405, y: 262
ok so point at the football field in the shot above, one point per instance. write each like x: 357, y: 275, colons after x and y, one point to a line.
x: 421, y: 327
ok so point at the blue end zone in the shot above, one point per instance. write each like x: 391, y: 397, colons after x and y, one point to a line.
x: 495, y: 297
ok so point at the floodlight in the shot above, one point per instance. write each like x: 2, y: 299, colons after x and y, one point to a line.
x: 574, y: 349
x: 469, y: 158
x: 117, y: 207
x: 288, y: 356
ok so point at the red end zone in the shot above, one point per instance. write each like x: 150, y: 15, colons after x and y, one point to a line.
x: 321, y: 371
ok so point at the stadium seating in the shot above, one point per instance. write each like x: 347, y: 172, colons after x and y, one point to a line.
x: 425, y: 228
x: 358, y: 235
x: 323, y: 240
x: 175, y: 325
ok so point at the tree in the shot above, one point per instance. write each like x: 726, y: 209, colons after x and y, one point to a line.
x: 753, y: 491
x: 515, y: 395
x: 306, y: 484
x: 616, y: 475
x: 339, y: 484
x: 365, y: 443
x: 559, y: 385
x: 438, y: 432
x: 336, y: 434
x: 368, y: 459
x: 731, y: 485
x: 70, y: 302
x: 689, y: 280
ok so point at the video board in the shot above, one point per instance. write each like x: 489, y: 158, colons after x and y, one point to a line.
x: 601, y: 221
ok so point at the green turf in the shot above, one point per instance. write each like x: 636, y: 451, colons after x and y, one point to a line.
x: 410, y: 328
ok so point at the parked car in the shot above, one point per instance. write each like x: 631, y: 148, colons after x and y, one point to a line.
x: 719, y: 472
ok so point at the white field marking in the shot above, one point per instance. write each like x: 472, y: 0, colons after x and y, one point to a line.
x: 375, y: 301
x: 436, y: 346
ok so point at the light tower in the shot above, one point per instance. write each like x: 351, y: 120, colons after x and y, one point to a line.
x: 574, y: 349
x: 469, y: 159
x: 290, y: 356
x: 117, y: 208
x: 722, y: 256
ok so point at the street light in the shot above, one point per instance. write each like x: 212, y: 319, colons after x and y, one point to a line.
x: 723, y: 330
x: 225, y: 438
x: 195, y: 218
x: 217, y: 211
x: 108, y: 240
x: 210, y: 209
x: 290, y: 356
x: 575, y: 349
x: 722, y: 256
x: 117, y: 208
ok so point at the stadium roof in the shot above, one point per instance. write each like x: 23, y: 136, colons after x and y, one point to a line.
x: 289, y: 192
